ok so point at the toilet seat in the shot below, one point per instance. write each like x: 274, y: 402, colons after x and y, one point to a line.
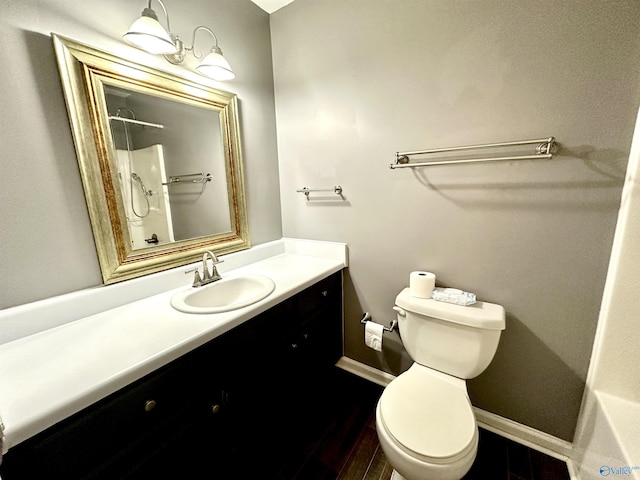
x: 428, y: 414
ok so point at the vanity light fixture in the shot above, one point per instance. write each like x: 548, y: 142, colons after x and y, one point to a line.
x: 213, y: 65
x: 148, y: 34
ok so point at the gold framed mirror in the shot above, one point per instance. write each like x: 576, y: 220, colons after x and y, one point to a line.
x: 160, y: 161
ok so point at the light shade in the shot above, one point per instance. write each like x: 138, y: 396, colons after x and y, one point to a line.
x: 147, y: 34
x: 215, y: 66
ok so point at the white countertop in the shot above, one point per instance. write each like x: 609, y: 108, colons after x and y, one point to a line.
x: 52, y: 374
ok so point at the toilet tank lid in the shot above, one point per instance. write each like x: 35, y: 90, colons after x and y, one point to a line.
x: 485, y: 315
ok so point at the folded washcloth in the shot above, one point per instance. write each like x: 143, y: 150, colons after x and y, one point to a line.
x: 453, y: 295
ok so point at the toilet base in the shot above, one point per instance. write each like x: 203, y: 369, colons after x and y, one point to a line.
x: 396, y: 476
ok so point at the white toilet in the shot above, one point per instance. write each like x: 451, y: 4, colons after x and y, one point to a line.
x: 424, y: 419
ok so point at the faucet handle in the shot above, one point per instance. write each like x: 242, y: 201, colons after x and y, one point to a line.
x: 197, y: 281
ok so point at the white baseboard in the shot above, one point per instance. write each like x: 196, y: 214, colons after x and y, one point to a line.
x: 365, y: 371
x: 523, y: 434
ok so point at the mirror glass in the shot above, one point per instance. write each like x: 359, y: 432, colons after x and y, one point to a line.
x: 170, y: 168
x: 160, y: 162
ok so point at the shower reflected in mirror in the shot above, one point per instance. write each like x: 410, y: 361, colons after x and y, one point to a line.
x: 142, y: 177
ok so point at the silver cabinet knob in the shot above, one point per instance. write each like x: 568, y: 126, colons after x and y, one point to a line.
x: 149, y: 405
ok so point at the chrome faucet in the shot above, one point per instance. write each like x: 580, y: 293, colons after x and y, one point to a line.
x: 207, y: 276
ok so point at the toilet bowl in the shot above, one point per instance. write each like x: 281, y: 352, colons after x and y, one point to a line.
x: 426, y: 426
x: 424, y: 419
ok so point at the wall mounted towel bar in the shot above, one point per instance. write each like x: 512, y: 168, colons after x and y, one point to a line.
x: 189, y: 178
x: 337, y: 190
x: 545, y: 150
x: 366, y: 317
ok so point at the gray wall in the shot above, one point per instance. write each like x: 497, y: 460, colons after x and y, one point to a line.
x: 355, y: 82
x: 46, y: 244
x: 358, y: 80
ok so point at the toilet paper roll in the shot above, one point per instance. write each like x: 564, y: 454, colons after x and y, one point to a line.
x: 373, y: 335
x: 421, y: 284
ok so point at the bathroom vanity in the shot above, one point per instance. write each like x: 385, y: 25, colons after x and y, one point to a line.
x: 217, y: 394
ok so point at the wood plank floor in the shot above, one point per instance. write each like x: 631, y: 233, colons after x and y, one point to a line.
x: 344, y: 446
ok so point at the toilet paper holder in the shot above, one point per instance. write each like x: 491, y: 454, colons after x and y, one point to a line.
x: 366, y: 317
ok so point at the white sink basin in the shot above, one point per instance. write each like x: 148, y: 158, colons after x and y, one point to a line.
x: 224, y: 295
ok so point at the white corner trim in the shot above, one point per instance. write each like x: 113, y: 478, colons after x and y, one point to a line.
x: 523, y: 434
x: 573, y: 470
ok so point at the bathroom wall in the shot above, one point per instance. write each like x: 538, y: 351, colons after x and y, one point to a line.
x: 607, y: 433
x: 615, y: 365
x: 46, y: 244
x: 358, y: 80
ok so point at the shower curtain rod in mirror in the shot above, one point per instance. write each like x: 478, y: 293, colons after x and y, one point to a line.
x: 137, y: 122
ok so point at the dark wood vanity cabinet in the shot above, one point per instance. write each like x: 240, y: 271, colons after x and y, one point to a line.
x: 130, y: 434
x: 278, y: 368
x: 220, y: 411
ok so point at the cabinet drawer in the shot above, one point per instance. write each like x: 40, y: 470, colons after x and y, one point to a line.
x: 318, y: 340
x: 326, y: 292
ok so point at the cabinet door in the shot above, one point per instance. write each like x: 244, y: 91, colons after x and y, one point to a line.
x: 277, y: 367
x: 316, y: 336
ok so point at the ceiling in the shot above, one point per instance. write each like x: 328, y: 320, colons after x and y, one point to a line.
x: 271, y: 6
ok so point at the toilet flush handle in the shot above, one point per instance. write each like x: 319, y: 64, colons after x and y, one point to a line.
x: 400, y: 311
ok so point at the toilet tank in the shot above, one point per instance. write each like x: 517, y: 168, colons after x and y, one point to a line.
x: 453, y: 339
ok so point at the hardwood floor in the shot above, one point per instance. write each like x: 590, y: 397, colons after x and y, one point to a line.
x: 343, y: 445
x: 503, y: 459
